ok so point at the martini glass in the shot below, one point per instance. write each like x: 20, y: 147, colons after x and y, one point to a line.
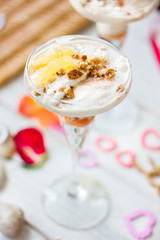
x: 76, y: 200
x: 113, y: 28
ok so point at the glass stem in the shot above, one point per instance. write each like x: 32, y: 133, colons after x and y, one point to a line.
x: 75, y: 137
x: 114, y: 33
x: 78, y: 139
x: 74, y: 184
x: 76, y: 160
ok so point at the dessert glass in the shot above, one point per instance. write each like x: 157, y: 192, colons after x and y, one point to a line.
x: 114, y: 29
x: 77, y: 200
x: 112, y: 25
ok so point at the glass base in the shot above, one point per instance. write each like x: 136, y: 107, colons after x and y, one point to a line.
x: 120, y: 120
x: 81, y: 203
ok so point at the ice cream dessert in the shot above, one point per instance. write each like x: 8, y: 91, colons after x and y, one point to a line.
x: 112, y: 16
x: 78, y: 76
x: 114, y: 11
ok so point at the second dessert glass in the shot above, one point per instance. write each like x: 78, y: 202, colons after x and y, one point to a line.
x: 77, y: 200
x: 112, y: 25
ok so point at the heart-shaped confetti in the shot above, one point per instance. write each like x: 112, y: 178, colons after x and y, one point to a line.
x: 144, y: 136
x: 91, y: 162
x: 112, y: 143
x: 119, y: 158
x: 149, y: 226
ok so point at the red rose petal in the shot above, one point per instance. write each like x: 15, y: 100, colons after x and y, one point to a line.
x: 30, y: 145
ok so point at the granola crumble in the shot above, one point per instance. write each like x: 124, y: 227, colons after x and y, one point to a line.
x: 52, y: 80
x: 96, y: 60
x: 69, y: 94
x: 61, y: 89
x: 37, y: 94
x: 44, y: 89
x: 84, y: 58
x: 74, y: 74
x: 61, y: 72
x: 110, y: 73
x: 76, y: 56
x: 83, y: 66
x: 120, y: 88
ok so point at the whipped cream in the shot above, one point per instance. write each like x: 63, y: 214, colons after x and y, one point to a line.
x: 110, y: 10
x: 91, y: 96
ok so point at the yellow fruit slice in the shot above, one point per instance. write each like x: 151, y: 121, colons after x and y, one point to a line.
x: 43, y: 75
x: 43, y: 59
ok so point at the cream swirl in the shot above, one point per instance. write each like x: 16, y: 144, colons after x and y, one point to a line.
x: 91, y: 95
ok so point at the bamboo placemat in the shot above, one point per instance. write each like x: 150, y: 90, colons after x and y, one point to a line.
x: 30, y: 23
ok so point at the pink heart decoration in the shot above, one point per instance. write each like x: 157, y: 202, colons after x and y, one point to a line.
x: 100, y: 139
x: 119, y: 158
x: 140, y: 213
x: 144, y: 136
x: 92, y: 159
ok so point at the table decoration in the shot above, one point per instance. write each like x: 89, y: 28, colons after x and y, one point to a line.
x: 119, y: 158
x: 135, y: 215
x: 112, y: 143
x: 92, y: 161
x: 146, y: 145
x: 30, y: 146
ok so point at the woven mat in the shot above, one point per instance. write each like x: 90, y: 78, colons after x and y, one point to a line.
x: 30, y: 23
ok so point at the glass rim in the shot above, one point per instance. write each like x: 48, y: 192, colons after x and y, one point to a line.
x: 69, y: 38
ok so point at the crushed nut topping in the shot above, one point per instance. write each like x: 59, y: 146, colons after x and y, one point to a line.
x: 52, y: 80
x: 61, y: 72
x: 44, y: 89
x: 89, y: 75
x: 69, y: 94
x: 61, y: 89
x: 37, y: 94
x: 95, y: 68
x: 74, y: 74
x: 83, y: 66
x: 84, y: 58
x: 110, y: 73
x: 76, y: 56
x: 120, y: 88
x: 96, y: 60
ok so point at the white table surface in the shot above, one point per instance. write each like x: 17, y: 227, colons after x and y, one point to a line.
x: 127, y: 188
